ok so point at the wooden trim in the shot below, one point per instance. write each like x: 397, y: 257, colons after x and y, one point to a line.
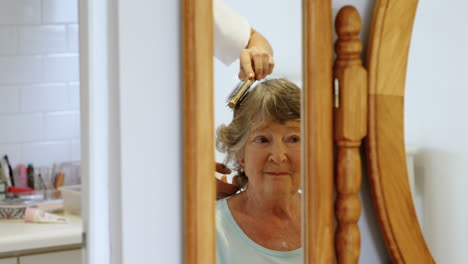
x: 387, y: 60
x: 317, y: 127
x: 198, y: 132
x: 350, y: 130
x: 199, y: 185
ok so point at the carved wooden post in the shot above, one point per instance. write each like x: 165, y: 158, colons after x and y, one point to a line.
x: 350, y: 129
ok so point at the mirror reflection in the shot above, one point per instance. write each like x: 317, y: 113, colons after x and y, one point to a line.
x: 434, y: 129
x: 40, y: 132
x: 258, y: 212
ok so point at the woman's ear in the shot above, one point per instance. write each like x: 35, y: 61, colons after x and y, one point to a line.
x: 241, y: 161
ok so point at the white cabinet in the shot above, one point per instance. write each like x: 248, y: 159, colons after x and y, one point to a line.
x: 8, y: 261
x: 60, y: 257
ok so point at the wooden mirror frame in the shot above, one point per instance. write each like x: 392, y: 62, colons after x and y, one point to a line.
x: 389, y: 42
x: 198, y: 132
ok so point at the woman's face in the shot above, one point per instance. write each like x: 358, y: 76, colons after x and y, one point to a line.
x: 272, y: 158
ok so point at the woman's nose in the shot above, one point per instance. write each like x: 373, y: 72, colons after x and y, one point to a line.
x: 278, y: 153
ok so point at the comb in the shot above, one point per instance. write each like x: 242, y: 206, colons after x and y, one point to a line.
x: 238, y: 93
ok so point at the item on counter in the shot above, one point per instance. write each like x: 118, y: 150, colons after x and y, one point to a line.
x: 51, y: 206
x: 10, y: 170
x: 4, y: 172
x: 71, y: 199
x: 3, y: 189
x: 30, y: 175
x: 54, y: 174
x: 36, y: 215
x: 24, y: 198
x: 13, y: 189
x: 22, y: 174
x: 11, y: 211
x: 42, y: 184
x: 58, y: 183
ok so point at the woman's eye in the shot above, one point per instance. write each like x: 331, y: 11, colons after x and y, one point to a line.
x: 261, y: 140
x: 295, y: 139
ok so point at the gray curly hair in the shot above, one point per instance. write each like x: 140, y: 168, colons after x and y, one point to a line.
x: 277, y: 100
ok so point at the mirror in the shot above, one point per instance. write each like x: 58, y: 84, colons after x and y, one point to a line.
x: 434, y: 126
x: 40, y: 116
x: 285, y: 37
x: 316, y: 126
x: 281, y: 25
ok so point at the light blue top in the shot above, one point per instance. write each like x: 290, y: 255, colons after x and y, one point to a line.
x: 233, y: 246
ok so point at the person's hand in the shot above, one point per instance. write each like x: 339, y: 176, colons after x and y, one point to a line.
x: 221, y: 168
x: 256, y: 60
x: 255, y: 63
x: 224, y: 189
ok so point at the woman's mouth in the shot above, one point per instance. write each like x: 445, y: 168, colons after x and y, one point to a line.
x: 276, y: 173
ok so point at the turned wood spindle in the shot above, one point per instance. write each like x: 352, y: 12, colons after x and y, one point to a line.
x: 350, y: 129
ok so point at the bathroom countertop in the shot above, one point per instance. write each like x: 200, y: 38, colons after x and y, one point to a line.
x: 18, y: 237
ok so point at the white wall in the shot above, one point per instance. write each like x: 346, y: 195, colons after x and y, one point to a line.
x: 39, y: 81
x: 435, y: 108
x: 131, y: 132
x: 150, y: 131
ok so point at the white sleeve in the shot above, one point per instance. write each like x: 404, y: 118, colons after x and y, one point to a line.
x: 231, y: 32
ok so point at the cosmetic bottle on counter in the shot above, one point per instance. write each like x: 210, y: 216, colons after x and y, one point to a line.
x: 22, y: 175
x: 3, y: 189
x: 30, y: 175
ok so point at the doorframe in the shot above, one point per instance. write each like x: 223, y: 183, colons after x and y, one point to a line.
x: 100, y: 133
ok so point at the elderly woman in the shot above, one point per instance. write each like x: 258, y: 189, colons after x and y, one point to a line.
x: 262, y: 223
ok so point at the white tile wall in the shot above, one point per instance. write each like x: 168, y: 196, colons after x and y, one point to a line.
x: 42, y: 39
x: 9, y: 99
x: 59, y: 11
x: 21, y: 128
x: 14, y: 12
x: 74, y: 96
x: 76, y: 150
x: 49, y: 97
x: 39, y: 81
x: 72, y: 36
x: 61, y: 68
x: 12, y: 150
x: 65, y: 125
x: 20, y: 69
x: 46, y: 153
x: 8, y: 40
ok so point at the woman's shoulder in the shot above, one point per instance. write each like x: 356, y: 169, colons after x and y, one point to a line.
x: 224, y: 210
x: 222, y: 202
x: 225, y: 224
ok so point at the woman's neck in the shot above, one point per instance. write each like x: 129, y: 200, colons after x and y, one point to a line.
x: 258, y: 205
